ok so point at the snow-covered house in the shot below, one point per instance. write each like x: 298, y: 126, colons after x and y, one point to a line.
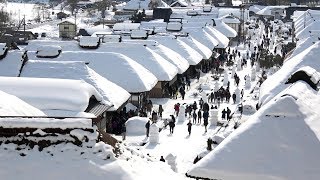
x: 57, y: 97
x: 280, y: 141
x: 12, y: 106
x: 179, y: 3
x: 225, y: 29
x: 116, y: 67
x: 195, y: 44
x: 146, y: 4
x: 223, y: 40
x: 109, y: 91
x: 232, y: 21
x: 275, y: 12
x: 67, y: 29
x: 191, y: 55
x: 277, y: 82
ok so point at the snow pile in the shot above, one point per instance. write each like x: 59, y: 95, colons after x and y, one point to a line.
x: 154, y: 134
x: 12, y: 106
x: 51, y: 94
x: 281, y: 142
x: 136, y: 126
x: 109, y: 91
x: 174, y: 26
x: 126, y: 27
x: 88, y: 41
x: 49, y: 51
x: 98, y: 29
x: 139, y: 34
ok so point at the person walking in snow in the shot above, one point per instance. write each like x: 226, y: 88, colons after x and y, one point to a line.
x: 199, y: 116
x: 189, y: 127
x: 182, y: 92
x: 224, y: 112
x: 160, y: 110
x: 205, y: 119
x: 172, y: 124
x: 228, y: 114
x: 234, y: 97
x: 194, y: 116
x: 147, y: 128
x: 201, y: 103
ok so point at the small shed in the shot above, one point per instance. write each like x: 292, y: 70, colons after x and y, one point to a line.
x: 162, y: 13
x: 61, y: 15
x: 67, y: 29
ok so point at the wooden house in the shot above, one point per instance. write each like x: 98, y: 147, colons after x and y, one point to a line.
x: 67, y: 29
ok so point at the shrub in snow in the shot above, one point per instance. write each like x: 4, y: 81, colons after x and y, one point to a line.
x: 218, y: 138
x: 171, y: 159
x: 248, y: 109
x: 154, y: 134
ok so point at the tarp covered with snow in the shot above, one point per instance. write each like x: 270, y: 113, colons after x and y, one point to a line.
x: 281, y: 141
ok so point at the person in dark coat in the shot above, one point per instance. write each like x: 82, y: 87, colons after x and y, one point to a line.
x: 205, y: 119
x: 228, y: 113
x: 147, y: 128
x: 189, y: 127
x: 160, y: 110
x: 194, y: 116
x: 172, y: 124
x: 234, y: 98
x: 162, y: 159
x: 199, y: 116
x: 224, y: 112
x: 182, y: 92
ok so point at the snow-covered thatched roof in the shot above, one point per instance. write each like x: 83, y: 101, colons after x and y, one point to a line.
x: 230, y: 19
x: 304, y: 44
x: 13, y: 106
x: 138, y: 5
x: 109, y: 91
x: 51, y: 94
x: 11, y: 64
x: 276, y: 83
x: 306, y: 32
x: 126, y: 26
x: 116, y: 67
x: 225, y: 29
x: 171, y: 56
x: 196, y: 45
x: 281, y: 141
x: 200, y: 34
x: 256, y: 8
x: 160, y: 67
x: 221, y: 38
x: 191, y: 55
